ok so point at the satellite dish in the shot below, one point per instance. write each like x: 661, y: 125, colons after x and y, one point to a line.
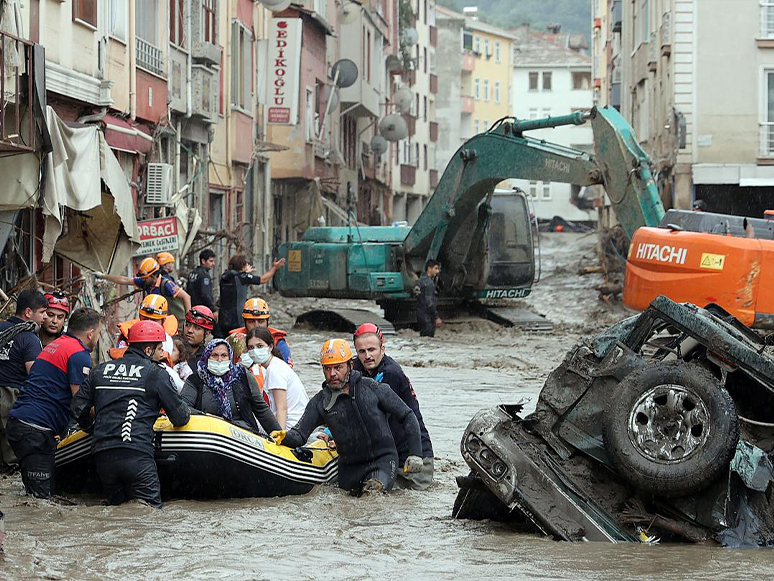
x: 403, y: 99
x: 393, y: 63
x: 379, y: 144
x: 348, y: 12
x: 347, y: 73
x: 410, y: 36
x: 276, y: 5
x: 393, y: 127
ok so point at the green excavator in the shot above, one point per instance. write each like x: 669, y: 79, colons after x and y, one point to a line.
x: 485, y: 241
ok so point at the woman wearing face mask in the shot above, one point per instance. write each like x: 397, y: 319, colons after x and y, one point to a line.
x: 224, y: 389
x: 287, y: 396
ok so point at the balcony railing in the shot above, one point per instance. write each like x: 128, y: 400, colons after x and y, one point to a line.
x: 149, y: 57
x: 468, y: 61
x: 17, y: 131
x: 468, y: 104
x: 408, y: 175
x: 767, y: 140
x: 767, y: 19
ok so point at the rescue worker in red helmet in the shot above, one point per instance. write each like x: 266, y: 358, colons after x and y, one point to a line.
x: 199, y: 323
x: 56, y: 316
x: 355, y: 408
x: 127, y: 396
x: 151, y: 280
x: 255, y: 312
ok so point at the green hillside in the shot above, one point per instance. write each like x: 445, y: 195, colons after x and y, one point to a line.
x: 573, y: 15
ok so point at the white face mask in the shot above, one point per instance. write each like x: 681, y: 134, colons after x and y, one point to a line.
x: 218, y: 367
x: 246, y: 360
x: 260, y: 354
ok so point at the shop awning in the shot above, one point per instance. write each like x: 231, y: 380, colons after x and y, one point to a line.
x: 122, y: 135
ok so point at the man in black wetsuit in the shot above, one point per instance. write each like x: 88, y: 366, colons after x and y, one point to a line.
x: 427, y: 315
x: 373, y: 362
x: 356, y: 409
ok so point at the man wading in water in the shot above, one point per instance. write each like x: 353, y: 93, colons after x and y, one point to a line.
x: 356, y: 409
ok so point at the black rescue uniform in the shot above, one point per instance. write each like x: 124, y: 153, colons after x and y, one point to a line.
x: 200, y: 288
x: 127, y: 395
x: 358, y: 422
x: 426, y: 309
x: 233, y: 294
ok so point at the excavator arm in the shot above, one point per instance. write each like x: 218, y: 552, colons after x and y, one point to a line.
x: 443, y: 231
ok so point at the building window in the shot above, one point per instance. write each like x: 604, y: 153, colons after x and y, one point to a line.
x: 485, y: 125
x: 533, y: 81
x: 425, y: 149
x: 368, y: 58
x: 476, y: 127
x: 241, y: 66
x: 210, y: 21
x: 424, y: 102
x: 581, y: 81
x: 486, y: 48
x: 767, y: 19
x: 767, y: 128
x: 497, y: 91
x: 424, y: 60
x: 533, y: 113
x: 477, y: 44
x: 467, y: 40
x: 545, y: 112
x: 149, y: 56
x: 477, y: 89
x: 117, y: 19
x: 645, y: 20
x: 546, y: 81
x: 86, y: 11
x: 533, y: 189
x: 309, y: 115
x: 486, y: 89
x: 176, y: 22
x: 546, y: 190
x: 497, y: 51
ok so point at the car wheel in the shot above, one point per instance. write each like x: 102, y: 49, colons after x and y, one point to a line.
x: 476, y: 502
x: 670, y: 429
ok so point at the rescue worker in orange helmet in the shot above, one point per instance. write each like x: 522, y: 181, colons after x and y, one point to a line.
x: 166, y: 262
x: 153, y: 308
x: 177, y: 306
x: 356, y: 409
x: 152, y: 280
x: 255, y: 312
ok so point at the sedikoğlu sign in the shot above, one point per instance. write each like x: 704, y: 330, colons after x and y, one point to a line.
x: 284, y: 71
x: 159, y: 235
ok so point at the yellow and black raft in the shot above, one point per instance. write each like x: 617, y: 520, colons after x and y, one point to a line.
x: 209, y: 458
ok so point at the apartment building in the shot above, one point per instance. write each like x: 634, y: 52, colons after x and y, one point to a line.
x: 550, y: 79
x: 694, y: 80
x: 414, y: 159
x: 475, y: 79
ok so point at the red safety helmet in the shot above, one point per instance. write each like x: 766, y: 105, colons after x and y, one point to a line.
x: 58, y: 300
x: 147, y: 332
x: 201, y: 316
x: 367, y: 328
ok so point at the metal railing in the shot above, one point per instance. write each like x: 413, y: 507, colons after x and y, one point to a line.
x: 149, y: 57
x: 16, y: 74
x: 767, y: 139
x: 767, y: 19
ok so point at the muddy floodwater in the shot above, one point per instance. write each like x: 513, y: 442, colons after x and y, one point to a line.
x: 330, y: 535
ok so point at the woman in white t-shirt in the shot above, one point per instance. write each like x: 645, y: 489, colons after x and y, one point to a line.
x: 287, y: 396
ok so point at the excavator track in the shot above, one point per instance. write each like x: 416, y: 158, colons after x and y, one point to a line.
x: 343, y: 320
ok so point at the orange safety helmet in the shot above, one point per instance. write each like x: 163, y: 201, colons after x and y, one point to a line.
x: 147, y: 332
x: 164, y: 258
x: 148, y: 267
x: 335, y: 351
x: 154, y: 307
x: 255, y: 309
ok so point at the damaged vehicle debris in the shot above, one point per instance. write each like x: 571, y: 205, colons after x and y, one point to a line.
x: 661, y: 427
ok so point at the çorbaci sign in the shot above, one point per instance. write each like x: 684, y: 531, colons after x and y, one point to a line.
x: 284, y: 68
x: 159, y: 235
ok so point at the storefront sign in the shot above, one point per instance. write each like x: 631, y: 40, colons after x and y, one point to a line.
x: 284, y: 71
x: 158, y: 235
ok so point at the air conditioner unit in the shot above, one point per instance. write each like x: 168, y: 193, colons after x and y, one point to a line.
x: 158, y: 185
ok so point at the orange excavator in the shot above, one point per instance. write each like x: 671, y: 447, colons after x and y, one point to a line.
x: 702, y: 258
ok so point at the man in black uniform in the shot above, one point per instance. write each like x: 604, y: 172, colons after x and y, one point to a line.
x: 356, y: 408
x: 427, y: 315
x: 233, y: 289
x: 373, y: 362
x: 200, y: 281
x: 127, y: 395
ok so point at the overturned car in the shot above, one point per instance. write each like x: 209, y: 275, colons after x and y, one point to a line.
x: 660, y: 427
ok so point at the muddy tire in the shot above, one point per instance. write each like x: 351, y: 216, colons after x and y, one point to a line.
x: 670, y: 429
x: 476, y: 502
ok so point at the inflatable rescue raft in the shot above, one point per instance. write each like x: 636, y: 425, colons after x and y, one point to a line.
x: 209, y: 458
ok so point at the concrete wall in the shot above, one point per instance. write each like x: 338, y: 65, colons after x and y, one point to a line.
x: 449, y: 99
